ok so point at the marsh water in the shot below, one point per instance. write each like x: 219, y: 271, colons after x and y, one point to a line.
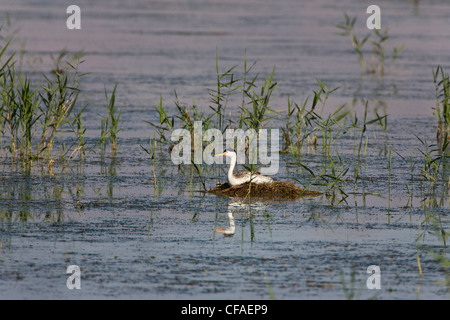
x: 134, y: 240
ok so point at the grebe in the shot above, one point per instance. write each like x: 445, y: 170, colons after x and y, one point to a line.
x: 244, y: 176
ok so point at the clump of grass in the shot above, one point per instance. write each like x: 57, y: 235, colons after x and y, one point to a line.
x: 435, y: 159
x: 379, y: 47
x: 184, y: 119
x: 442, y: 109
x: 224, y: 87
x: 306, y: 125
x: 57, y: 103
x: 19, y: 111
x: 60, y: 65
x: 76, y: 126
x: 363, y: 127
x: 33, y: 116
x: 151, y: 151
x: 333, y: 170
x: 109, y: 128
x: 331, y: 176
x: 36, y: 113
x: 166, y: 124
x: 113, y: 119
x: 260, y: 111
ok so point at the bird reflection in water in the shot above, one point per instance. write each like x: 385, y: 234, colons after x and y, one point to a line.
x: 239, y: 207
x: 232, y: 206
x: 228, y: 231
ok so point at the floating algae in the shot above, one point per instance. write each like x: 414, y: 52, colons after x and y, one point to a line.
x: 274, y: 190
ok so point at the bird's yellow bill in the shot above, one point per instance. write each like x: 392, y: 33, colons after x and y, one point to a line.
x: 220, y: 154
x: 220, y: 230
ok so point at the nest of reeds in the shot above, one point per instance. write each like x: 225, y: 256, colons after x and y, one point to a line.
x: 274, y: 190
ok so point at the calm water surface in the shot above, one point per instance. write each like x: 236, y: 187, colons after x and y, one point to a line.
x: 132, y: 241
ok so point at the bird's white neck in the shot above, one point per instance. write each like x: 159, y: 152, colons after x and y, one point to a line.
x: 232, y: 165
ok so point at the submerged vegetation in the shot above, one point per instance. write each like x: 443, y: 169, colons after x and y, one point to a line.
x: 379, y: 53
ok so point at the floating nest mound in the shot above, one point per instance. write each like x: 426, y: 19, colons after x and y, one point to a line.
x: 274, y: 190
